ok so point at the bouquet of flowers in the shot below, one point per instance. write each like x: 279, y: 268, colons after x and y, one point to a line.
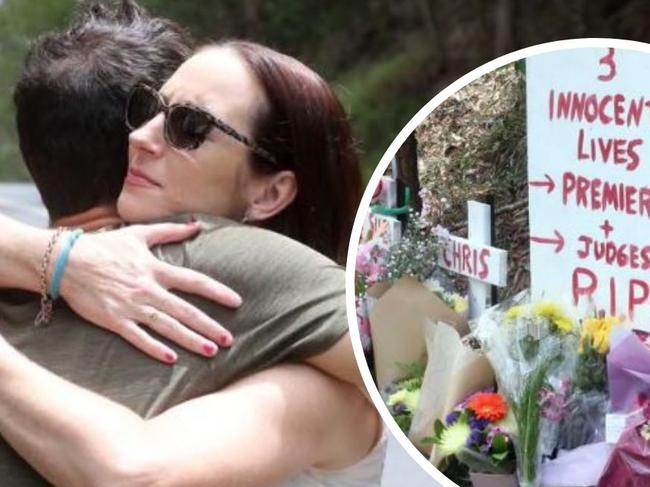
x: 402, y: 396
x: 369, y: 265
x: 586, y: 407
x: 479, y: 433
x: 454, y: 300
x: 532, y: 348
x: 629, y: 463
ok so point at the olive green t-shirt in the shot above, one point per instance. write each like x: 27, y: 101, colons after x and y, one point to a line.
x: 294, y: 307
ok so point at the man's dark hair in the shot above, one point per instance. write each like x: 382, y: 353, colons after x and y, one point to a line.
x: 70, y: 100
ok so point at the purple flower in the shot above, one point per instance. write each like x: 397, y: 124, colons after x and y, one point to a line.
x: 452, y: 417
x: 478, y: 424
x: 474, y: 438
x: 399, y: 408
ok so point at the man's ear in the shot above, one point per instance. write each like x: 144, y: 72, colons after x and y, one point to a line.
x: 274, y: 193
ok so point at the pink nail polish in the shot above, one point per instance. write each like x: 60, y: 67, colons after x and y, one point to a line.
x: 210, y: 349
x: 170, y: 357
x: 226, y: 340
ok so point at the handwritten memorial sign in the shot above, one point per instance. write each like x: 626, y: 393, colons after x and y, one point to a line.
x: 589, y: 179
x: 388, y: 228
x: 481, y: 262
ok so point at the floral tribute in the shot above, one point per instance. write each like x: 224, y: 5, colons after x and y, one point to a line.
x: 532, y: 348
x: 479, y: 433
x: 402, y: 396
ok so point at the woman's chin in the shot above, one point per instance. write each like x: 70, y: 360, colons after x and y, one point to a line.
x: 138, y: 209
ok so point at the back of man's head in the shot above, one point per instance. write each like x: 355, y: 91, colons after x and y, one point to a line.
x: 70, y: 100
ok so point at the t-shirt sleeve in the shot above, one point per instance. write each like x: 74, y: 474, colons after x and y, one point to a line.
x: 293, y: 297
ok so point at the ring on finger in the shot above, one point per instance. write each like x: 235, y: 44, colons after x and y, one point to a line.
x: 153, y: 316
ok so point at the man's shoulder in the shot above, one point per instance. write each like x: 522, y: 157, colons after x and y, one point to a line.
x: 224, y: 244
x: 221, y: 231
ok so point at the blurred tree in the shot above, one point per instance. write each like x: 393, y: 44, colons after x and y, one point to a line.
x: 385, y: 58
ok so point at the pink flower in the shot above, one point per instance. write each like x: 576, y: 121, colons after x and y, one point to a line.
x: 552, y: 404
x: 370, y: 262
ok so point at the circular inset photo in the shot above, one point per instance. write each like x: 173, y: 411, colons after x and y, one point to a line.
x: 501, y: 272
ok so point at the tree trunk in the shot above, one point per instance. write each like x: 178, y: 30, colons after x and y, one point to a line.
x: 407, y: 163
x: 503, y: 23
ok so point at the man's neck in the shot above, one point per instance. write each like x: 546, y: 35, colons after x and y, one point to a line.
x: 89, y: 220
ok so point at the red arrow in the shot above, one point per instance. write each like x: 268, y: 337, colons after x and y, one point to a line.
x: 549, y: 183
x: 558, y: 241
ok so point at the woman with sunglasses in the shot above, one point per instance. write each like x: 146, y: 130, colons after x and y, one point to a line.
x: 263, y: 140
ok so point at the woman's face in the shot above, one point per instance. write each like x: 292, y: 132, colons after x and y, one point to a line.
x: 215, y: 178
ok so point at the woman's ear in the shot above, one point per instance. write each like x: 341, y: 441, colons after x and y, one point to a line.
x: 273, y: 194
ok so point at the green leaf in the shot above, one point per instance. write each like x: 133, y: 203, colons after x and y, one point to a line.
x: 499, y: 457
x: 499, y: 444
x: 438, y: 428
x: 464, y: 417
x: 529, y: 347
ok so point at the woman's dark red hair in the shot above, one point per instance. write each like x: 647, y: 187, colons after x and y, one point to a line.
x: 307, y: 130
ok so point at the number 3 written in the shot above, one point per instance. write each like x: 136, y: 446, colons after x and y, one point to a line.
x: 608, y: 60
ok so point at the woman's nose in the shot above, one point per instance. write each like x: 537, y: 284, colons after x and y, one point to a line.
x: 149, y: 138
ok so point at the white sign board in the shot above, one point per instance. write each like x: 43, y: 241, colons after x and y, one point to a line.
x: 481, y: 262
x: 393, y: 227
x: 386, y: 193
x: 589, y: 179
x: 386, y: 227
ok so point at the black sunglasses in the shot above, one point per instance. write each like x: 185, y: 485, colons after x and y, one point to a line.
x: 186, y: 126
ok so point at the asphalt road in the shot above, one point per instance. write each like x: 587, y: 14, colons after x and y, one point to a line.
x: 22, y: 202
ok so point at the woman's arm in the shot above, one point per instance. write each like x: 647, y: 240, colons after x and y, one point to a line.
x: 339, y: 362
x: 254, y: 433
x: 114, y: 281
x: 21, y: 249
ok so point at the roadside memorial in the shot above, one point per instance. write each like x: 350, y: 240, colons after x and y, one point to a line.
x: 565, y: 363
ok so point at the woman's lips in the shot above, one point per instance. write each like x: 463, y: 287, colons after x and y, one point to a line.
x: 138, y: 178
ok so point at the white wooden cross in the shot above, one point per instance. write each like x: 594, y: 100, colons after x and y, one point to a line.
x: 473, y: 257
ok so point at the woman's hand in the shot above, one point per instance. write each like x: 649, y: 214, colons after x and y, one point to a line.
x: 113, y: 280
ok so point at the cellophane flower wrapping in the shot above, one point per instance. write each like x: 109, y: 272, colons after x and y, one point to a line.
x: 584, y: 419
x: 532, y: 348
x: 587, y: 405
x: 629, y: 463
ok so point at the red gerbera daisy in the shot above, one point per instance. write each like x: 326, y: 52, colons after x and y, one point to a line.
x: 488, y: 405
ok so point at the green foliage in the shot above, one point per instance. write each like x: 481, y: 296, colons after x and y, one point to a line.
x: 529, y: 415
x: 20, y: 21
x: 373, y: 94
x: 591, y: 371
x: 414, y: 374
x: 369, y: 50
x: 403, y: 420
x: 398, y: 406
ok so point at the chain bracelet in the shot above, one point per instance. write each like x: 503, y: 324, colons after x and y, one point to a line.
x: 45, y: 313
